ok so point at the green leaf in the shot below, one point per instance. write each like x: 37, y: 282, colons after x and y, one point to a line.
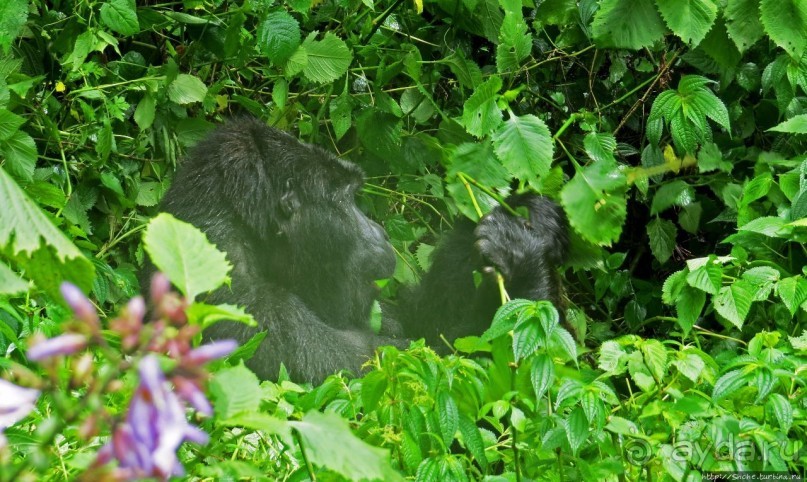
x: 524, y: 145
x: 10, y: 283
x: 771, y: 226
x: 742, y: 23
x: 255, y: 420
x: 144, y: 113
x: 20, y: 153
x: 563, y: 340
x: 28, y: 236
x: 515, y: 43
x: 279, y: 36
x: 468, y: 74
x: 763, y: 279
x: 793, y: 292
x: 794, y: 125
x: 576, y: 429
x: 330, y: 444
x: 630, y: 25
x: 472, y: 439
x: 328, y: 59
x: 675, y: 193
x: 782, y: 410
x: 186, y: 89
x: 729, y: 383
x: 505, y: 318
x: 655, y: 358
x: 600, y: 147
x: 120, y: 16
x: 691, y: 366
x: 689, y: 19
x: 206, y: 315
x: 480, y: 113
x: 447, y: 415
x: 688, y: 306
x: 542, y: 374
x: 785, y: 22
x: 708, y: 277
x: 184, y: 254
x: 527, y: 337
x: 13, y: 15
x: 235, y: 390
x: 595, y: 202
x: 341, y: 110
x: 9, y: 124
x: 662, y: 234
x: 610, y: 359
x: 734, y: 302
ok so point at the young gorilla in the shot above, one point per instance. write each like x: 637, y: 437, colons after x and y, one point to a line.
x: 305, y: 257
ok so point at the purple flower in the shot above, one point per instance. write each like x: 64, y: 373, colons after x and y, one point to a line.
x: 66, y: 344
x: 146, y: 443
x: 211, y: 351
x: 80, y: 304
x: 15, y: 403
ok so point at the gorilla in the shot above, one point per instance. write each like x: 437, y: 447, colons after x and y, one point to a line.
x: 305, y: 257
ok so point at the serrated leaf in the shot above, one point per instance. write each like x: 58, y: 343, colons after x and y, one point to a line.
x: 629, y: 25
x: 527, y: 337
x: 328, y: 59
x: 729, y: 383
x: 279, y: 36
x: 576, y: 429
x: 480, y: 113
x: 120, y: 16
x: 600, y: 147
x: 689, y: 19
x: 794, y: 125
x: 771, y: 226
x: 542, y: 374
x: 341, y: 110
x: 468, y: 74
x: 235, y: 390
x: 671, y: 289
x: 10, y: 283
x: 785, y: 22
x: 330, y: 444
x: 184, y: 254
x: 13, y: 15
x: 447, y: 416
x: 691, y: 366
x: 505, y: 318
x: 145, y: 111
x: 688, y: 307
x: 610, y: 358
x: 524, y: 145
x: 563, y: 340
x: 734, y: 302
x: 742, y: 23
x: 186, y: 89
x: 662, y: 235
x: 473, y: 440
x: 20, y: 153
x: 655, y: 358
x: 675, y: 193
x: 782, y: 410
x: 9, y: 124
x: 708, y: 278
x: 206, y: 315
x: 595, y: 202
x: 515, y: 43
x: 793, y: 292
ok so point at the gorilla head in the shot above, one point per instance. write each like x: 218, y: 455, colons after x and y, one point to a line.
x: 306, y: 258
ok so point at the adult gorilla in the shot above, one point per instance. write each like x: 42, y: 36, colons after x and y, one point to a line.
x: 305, y: 257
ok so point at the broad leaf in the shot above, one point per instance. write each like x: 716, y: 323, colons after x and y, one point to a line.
x: 794, y: 125
x: 186, y: 89
x: 279, y: 36
x: 480, y: 114
x: 734, y: 302
x: 120, y: 16
x: 13, y: 14
x: 630, y: 25
x: 742, y: 23
x: 524, y: 145
x: 10, y: 283
x: 689, y: 19
x: 662, y: 234
x: 184, y: 254
x: 328, y: 59
x: 785, y: 22
x: 595, y: 202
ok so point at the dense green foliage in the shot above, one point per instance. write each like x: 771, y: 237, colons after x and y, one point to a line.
x: 672, y: 132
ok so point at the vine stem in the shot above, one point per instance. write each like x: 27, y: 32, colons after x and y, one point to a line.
x: 646, y: 94
x: 308, y: 466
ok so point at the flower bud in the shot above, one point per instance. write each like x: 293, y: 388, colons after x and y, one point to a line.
x: 66, y: 344
x: 211, y: 351
x: 80, y: 304
x: 160, y: 286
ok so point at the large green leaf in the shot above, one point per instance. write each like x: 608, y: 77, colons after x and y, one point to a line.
x: 734, y: 302
x: 515, y: 43
x: 794, y: 125
x: 330, y: 444
x: 186, y: 89
x: 20, y: 153
x: 595, y: 202
x: 120, y: 16
x: 184, y: 254
x: 662, y: 234
x: 279, y: 36
x: 742, y: 23
x: 328, y: 59
x: 785, y: 22
x: 627, y: 24
x: 524, y: 145
x: 28, y: 236
x: 480, y: 114
x: 13, y: 14
x: 689, y: 19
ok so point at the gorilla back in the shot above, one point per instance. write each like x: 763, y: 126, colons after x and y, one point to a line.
x: 306, y: 258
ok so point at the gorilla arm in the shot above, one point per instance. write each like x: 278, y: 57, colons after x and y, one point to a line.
x: 526, y: 252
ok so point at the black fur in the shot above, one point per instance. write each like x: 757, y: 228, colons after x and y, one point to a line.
x: 305, y: 258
